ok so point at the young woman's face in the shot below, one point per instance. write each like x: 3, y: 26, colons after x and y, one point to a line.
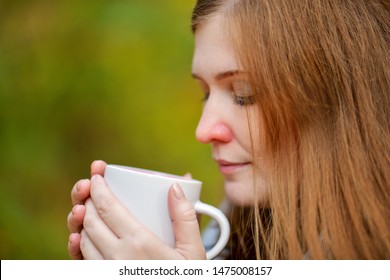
x: 228, y: 111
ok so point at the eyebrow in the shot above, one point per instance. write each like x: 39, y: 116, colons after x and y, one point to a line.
x: 222, y: 75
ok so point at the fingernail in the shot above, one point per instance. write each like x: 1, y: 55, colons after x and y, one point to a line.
x: 93, y: 163
x: 177, y: 191
x: 96, y: 162
x: 78, y: 186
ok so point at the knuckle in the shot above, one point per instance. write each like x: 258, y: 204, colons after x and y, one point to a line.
x: 104, y: 207
x: 189, y: 215
x: 88, y: 222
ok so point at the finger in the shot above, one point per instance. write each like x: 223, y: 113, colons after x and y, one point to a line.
x: 75, y: 218
x: 88, y: 249
x: 98, y: 167
x: 188, y: 175
x: 80, y: 191
x: 185, y: 224
x: 74, y: 246
x: 112, y: 212
x: 98, y: 232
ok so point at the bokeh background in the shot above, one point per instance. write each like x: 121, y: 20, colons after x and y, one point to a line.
x: 85, y: 80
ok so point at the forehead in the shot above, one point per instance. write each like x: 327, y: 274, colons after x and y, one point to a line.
x: 213, y: 53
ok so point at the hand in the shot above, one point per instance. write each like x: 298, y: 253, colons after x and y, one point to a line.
x: 111, y: 232
x: 79, y: 193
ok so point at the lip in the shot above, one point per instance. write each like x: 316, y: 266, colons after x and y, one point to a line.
x: 228, y: 167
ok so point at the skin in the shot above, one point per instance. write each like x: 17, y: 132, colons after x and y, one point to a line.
x: 80, y: 192
x: 96, y: 222
x: 98, y: 231
x: 225, y: 125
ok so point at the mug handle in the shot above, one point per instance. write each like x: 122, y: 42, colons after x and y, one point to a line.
x: 223, y: 223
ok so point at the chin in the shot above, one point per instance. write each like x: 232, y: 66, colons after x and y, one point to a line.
x: 242, y: 193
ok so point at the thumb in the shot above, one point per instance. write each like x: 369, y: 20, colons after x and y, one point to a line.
x: 185, y: 225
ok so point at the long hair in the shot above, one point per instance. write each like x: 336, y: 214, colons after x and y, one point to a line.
x: 321, y: 81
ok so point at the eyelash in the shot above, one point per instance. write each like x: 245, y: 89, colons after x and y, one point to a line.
x: 238, y: 100
x: 243, y: 100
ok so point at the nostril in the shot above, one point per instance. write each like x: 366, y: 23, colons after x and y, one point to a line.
x: 222, y: 132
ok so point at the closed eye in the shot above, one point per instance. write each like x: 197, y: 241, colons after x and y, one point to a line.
x: 244, y: 100
x: 243, y: 94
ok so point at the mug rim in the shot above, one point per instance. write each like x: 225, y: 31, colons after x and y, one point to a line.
x: 152, y: 173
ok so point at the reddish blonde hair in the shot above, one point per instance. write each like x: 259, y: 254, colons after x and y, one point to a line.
x: 321, y: 78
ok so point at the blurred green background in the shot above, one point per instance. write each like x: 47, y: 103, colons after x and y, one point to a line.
x: 85, y: 80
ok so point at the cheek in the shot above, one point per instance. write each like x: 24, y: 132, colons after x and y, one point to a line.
x: 250, y: 131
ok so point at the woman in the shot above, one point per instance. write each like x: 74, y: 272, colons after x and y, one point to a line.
x: 297, y: 113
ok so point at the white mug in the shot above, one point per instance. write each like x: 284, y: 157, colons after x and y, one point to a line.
x: 145, y: 194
